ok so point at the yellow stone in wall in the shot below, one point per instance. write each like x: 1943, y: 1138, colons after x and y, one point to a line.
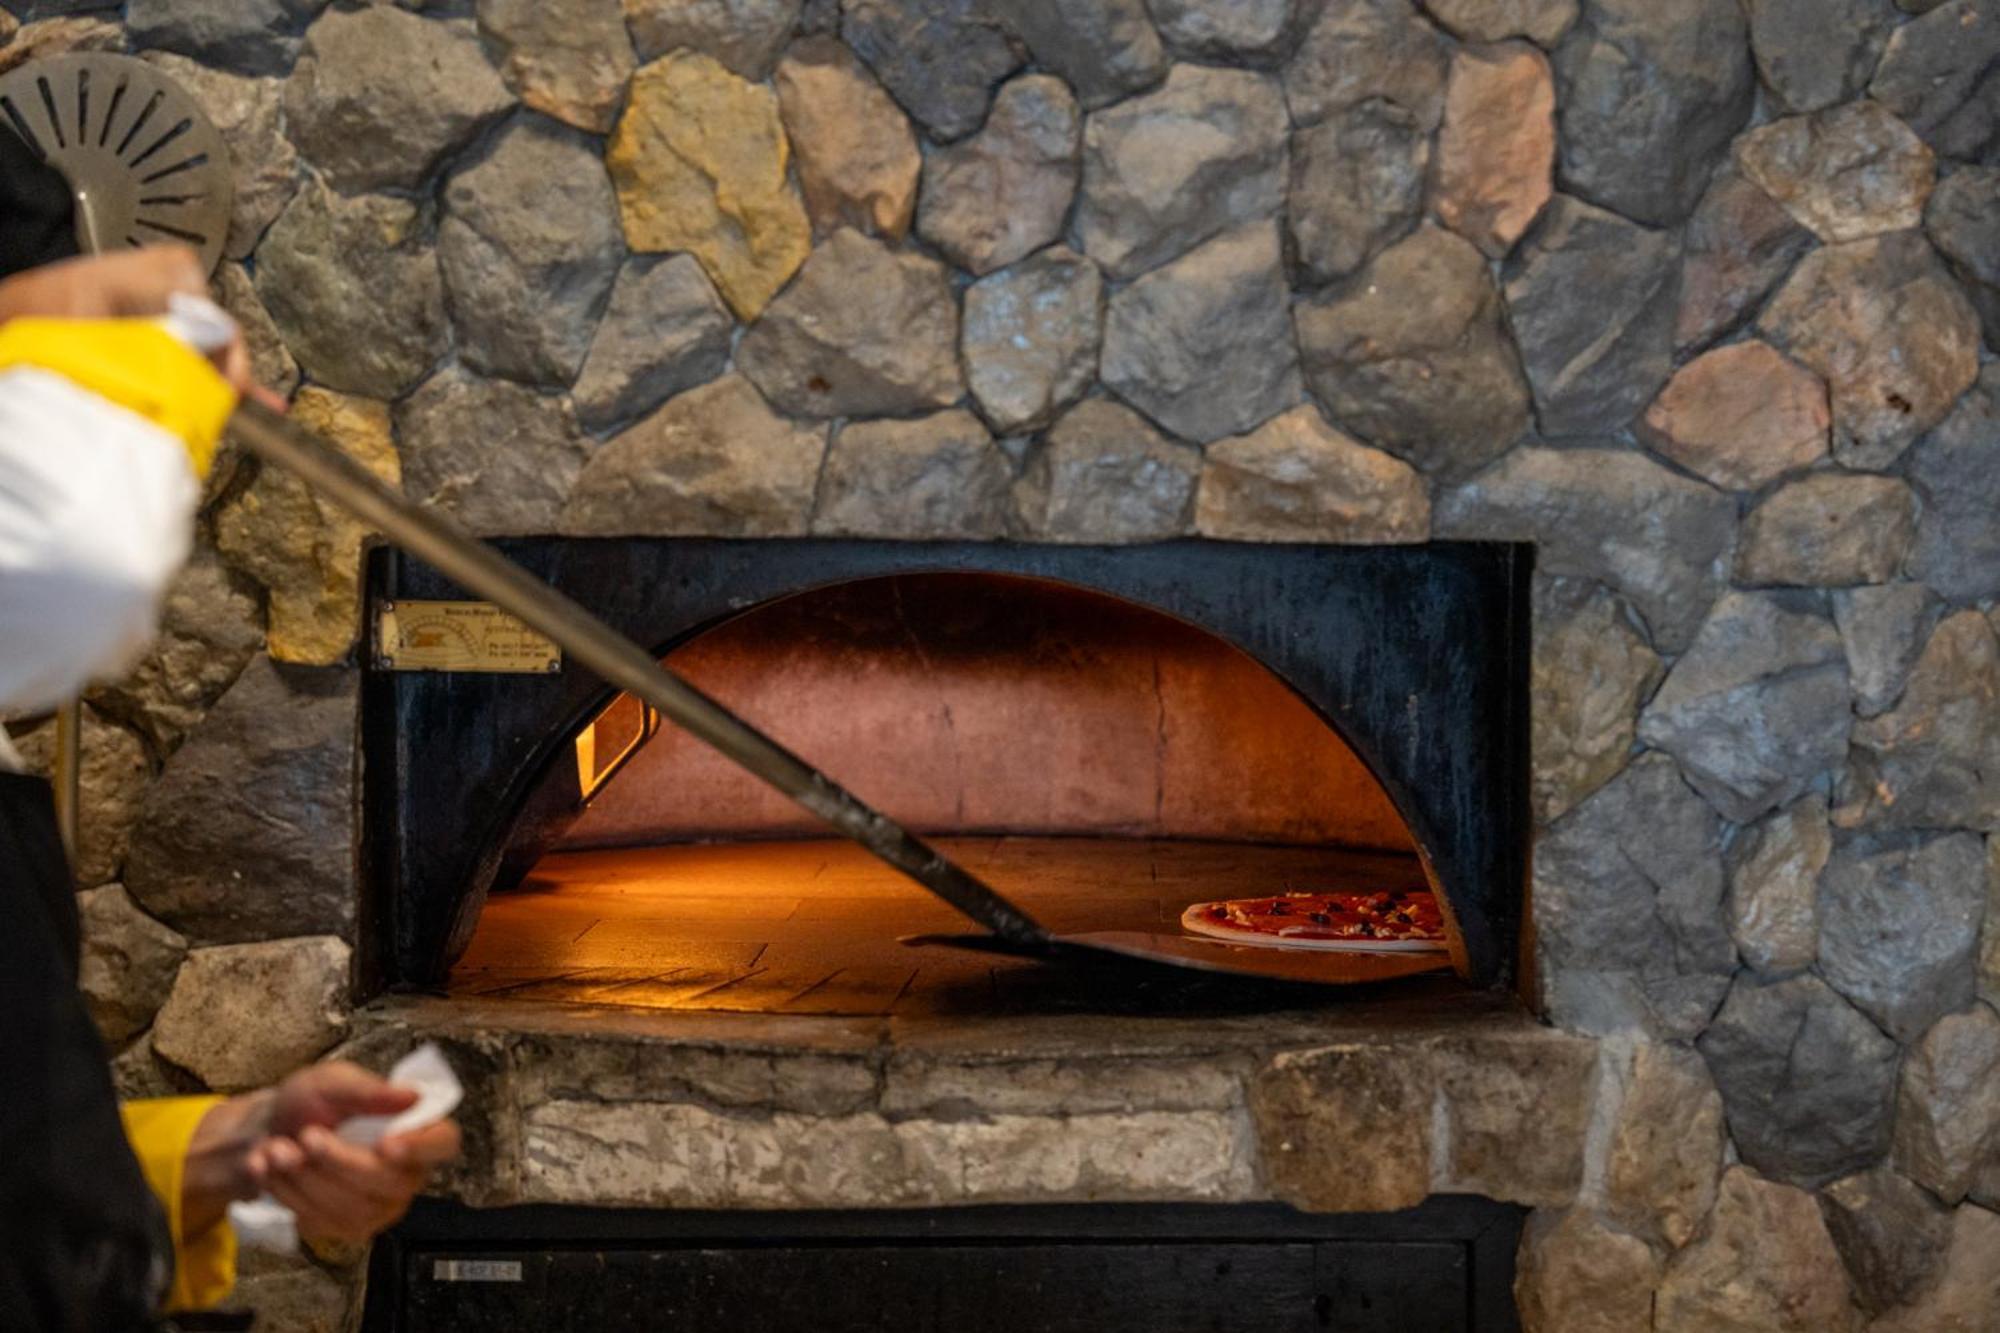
x: 699, y: 159
x: 305, y: 550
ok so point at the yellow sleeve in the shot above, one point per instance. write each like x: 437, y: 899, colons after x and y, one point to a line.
x: 134, y: 363
x: 160, y: 1131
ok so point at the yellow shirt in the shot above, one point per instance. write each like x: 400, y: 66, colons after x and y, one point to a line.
x: 160, y: 1131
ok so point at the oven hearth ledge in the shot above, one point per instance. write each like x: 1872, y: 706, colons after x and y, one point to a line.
x: 1371, y: 1108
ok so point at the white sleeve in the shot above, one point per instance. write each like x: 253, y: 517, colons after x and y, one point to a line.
x: 96, y: 516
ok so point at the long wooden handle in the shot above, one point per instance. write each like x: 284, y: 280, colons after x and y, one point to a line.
x: 485, y: 573
x: 69, y: 776
x: 69, y: 718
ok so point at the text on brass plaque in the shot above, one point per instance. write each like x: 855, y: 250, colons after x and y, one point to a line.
x: 459, y: 636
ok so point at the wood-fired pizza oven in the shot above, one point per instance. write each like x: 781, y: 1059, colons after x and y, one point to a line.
x: 1104, y: 734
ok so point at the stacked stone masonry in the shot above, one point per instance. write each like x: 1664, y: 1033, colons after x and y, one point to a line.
x: 1701, y: 296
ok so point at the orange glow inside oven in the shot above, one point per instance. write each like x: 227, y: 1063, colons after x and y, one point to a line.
x: 1104, y: 764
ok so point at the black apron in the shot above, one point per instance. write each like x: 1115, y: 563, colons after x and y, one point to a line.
x: 84, y: 1246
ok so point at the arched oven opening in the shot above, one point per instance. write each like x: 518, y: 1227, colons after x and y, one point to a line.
x: 1109, y: 736
x: 1107, y: 766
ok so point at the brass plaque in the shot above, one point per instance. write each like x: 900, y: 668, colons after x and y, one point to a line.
x: 459, y: 636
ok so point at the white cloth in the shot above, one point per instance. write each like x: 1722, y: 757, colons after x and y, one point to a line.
x: 265, y: 1224
x: 96, y: 516
x: 97, y: 512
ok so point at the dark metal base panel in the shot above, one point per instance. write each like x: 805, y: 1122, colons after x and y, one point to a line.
x: 1444, y: 1267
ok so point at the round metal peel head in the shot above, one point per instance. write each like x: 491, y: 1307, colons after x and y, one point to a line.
x: 146, y: 165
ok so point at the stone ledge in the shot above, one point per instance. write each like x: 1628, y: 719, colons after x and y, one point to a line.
x: 1430, y: 1092
x: 678, y: 1155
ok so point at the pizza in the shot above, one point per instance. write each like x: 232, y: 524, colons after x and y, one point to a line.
x: 1386, y: 921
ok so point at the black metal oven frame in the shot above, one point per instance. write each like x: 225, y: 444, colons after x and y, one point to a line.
x: 1417, y: 655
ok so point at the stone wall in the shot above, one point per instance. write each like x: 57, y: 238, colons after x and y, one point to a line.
x: 1691, y: 293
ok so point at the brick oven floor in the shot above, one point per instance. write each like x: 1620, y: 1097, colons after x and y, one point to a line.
x: 814, y: 928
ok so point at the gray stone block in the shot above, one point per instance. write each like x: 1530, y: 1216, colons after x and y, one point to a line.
x: 1367, y: 49
x: 253, y: 36
x: 714, y: 462
x: 1595, y: 364
x: 1163, y: 173
x: 1947, y: 1110
x: 1899, y: 926
x: 243, y: 1016
x: 250, y: 832
x: 1957, y: 470
x: 1963, y: 220
x: 1411, y: 355
x: 498, y: 457
x: 1630, y: 883
x: 1891, y: 1235
x: 1933, y: 761
x: 381, y: 95
x: 1828, y: 530
x: 1613, y: 515
x: 1765, y: 1262
x: 1031, y: 336
x: 1592, y: 668
x: 352, y: 284
x: 1647, y: 96
x: 1357, y: 185
x: 1808, y: 1083
x: 1297, y: 479
x: 129, y: 962
x: 1104, y: 474
x: 1201, y: 345
x: 1757, y: 708
x: 1105, y: 49
x: 1005, y: 192
x: 529, y: 246
x: 1935, y: 75
x: 939, y: 58
x: 745, y: 35
x: 664, y: 332
x: 1816, y: 53
x: 862, y: 331
x: 1885, y: 629
x: 1892, y: 334
x: 1774, y: 869
x: 936, y: 477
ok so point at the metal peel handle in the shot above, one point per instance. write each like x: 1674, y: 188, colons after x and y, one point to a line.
x: 485, y: 573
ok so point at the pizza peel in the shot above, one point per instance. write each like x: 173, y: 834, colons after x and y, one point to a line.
x: 485, y: 573
x: 168, y: 179
x: 144, y: 163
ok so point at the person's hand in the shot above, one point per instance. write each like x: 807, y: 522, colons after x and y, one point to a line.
x: 127, y: 284
x: 339, y: 1190
x: 280, y: 1141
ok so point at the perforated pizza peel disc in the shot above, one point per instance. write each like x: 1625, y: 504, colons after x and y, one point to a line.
x: 146, y: 164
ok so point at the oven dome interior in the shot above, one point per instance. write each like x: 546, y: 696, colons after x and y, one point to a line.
x: 984, y: 704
